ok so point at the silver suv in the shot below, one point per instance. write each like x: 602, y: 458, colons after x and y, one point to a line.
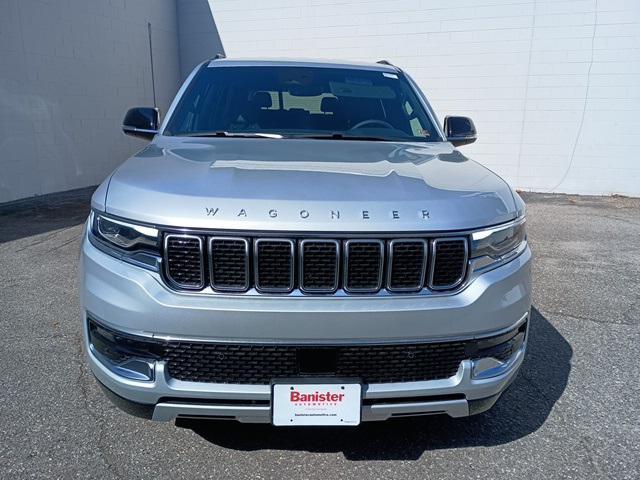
x: 300, y: 243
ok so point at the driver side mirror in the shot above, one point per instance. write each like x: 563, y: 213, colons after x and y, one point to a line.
x: 141, y: 122
x: 460, y: 130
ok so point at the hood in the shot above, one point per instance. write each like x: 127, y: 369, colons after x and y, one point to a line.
x: 307, y: 185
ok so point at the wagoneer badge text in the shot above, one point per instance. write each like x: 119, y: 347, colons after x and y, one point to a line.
x: 304, y: 214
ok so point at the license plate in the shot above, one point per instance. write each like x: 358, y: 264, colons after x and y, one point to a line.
x: 316, y: 404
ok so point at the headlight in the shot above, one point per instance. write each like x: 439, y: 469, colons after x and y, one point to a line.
x: 128, y: 241
x: 499, y: 243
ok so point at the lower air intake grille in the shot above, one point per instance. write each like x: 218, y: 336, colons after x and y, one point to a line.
x: 184, y: 263
x: 260, y: 364
x: 274, y: 269
x: 363, y: 265
x: 448, y: 263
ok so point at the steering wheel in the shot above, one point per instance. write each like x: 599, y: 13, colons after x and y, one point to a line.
x: 372, y: 121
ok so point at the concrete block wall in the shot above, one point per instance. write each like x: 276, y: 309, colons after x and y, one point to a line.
x: 552, y: 85
x: 69, y: 69
x: 198, y: 36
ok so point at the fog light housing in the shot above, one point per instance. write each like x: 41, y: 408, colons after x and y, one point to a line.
x: 123, y: 355
x: 491, y: 357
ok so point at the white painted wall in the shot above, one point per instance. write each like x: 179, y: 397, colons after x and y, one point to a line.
x: 68, y: 72
x: 552, y: 85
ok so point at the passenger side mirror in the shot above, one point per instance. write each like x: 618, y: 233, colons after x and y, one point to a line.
x: 460, y: 130
x: 141, y: 122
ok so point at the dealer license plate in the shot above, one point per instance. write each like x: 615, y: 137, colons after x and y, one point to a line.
x: 316, y: 404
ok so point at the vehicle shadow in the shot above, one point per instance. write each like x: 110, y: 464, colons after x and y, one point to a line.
x: 521, y: 410
x: 33, y: 216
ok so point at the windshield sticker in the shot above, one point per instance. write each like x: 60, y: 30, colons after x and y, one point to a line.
x: 390, y: 75
x: 358, y: 81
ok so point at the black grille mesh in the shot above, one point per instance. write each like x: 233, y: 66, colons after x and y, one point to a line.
x: 407, y: 265
x: 260, y: 364
x: 364, y: 266
x: 275, y: 265
x: 319, y: 266
x: 184, y: 261
x: 449, y: 263
x: 229, y: 259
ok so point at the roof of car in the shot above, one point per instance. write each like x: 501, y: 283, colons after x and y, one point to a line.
x: 301, y: 62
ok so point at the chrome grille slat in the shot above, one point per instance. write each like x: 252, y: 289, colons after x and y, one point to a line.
x: 314, y: 265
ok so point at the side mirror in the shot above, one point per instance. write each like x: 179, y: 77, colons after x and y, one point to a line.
x: 460, y: 130
x: 141, y: 122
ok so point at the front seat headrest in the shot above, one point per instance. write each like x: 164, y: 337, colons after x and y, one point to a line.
x: 261, y: 99
x: 329, y: 105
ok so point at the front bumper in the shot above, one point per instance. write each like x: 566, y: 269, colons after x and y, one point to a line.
x: 134, y: 301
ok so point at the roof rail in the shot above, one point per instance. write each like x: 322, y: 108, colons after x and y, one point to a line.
x: 387, y: 62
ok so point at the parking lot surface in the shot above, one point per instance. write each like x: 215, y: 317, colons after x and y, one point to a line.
x: 573, y: 412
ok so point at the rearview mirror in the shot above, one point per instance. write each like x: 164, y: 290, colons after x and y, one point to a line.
x: 141, y: 122
x: 460, y: 130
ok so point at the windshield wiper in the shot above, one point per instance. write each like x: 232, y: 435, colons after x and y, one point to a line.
x: 221, y: 133
x: 342, y: 136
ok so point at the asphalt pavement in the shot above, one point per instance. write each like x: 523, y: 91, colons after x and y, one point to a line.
x: 573, y: 412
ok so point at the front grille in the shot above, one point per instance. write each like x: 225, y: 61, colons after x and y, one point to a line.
x: 184, y: 261
x: 314, y: 265
x: 260, y: 364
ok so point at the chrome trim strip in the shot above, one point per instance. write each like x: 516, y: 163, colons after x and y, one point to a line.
x: 127, y: 128
x: 167, y: 411
x: 347, y: 244
x: 425, y: 249
x: 301, y: 265
x: 383, y: 411
x: 151, y: 337
x: 165, y: 258
x: 465, y: 268
x: 256, y: 263
x: 246, y: 265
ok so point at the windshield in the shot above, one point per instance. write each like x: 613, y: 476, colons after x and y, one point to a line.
x: 312, y: 102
